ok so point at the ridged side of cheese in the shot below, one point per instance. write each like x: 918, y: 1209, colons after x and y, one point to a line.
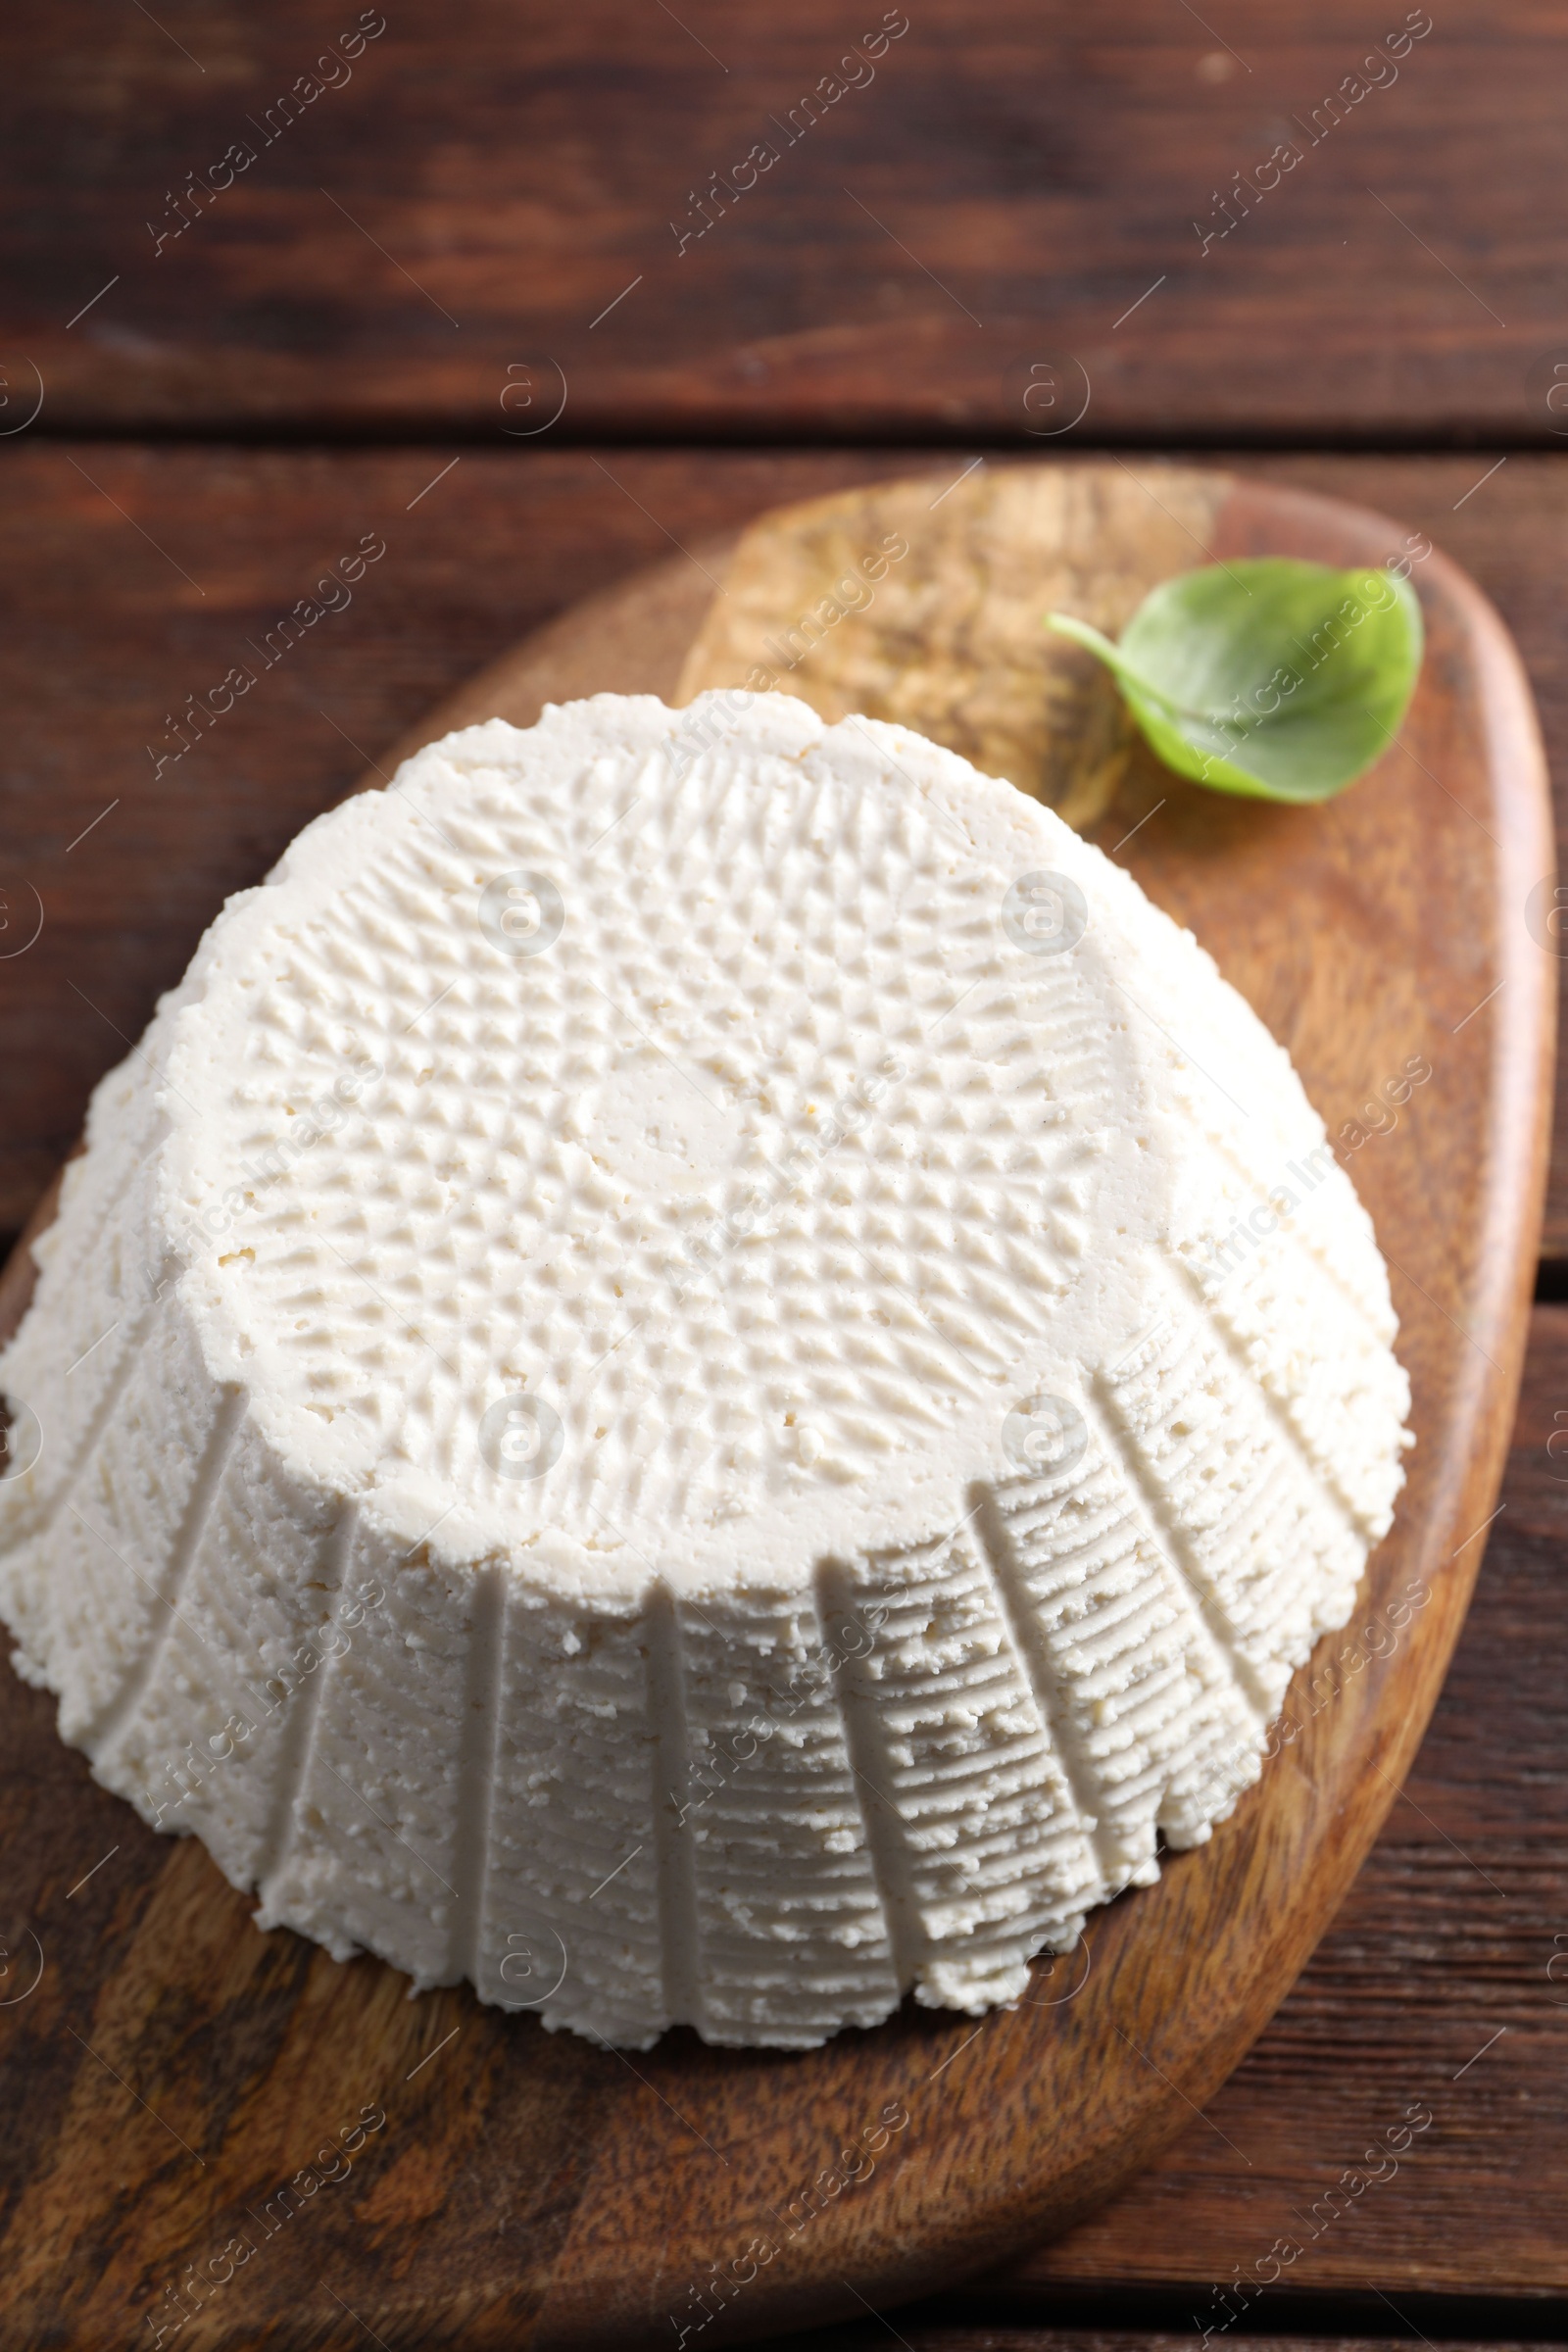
x: 970, y: 1815
x: 574, y: 1908
x: 139, y: 1495
x: 1154, y: 1713
x: 785, y: 1907
x: 209, y: 1707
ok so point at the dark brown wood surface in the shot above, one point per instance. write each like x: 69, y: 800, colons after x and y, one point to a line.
x: 538, y: 2190
x: 1367, y: 2323
x: 997, y: 188
x: 105, y: 639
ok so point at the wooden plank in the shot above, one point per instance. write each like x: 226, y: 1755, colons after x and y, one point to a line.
x: 951, y: 2326
x: 104, y: 638
x: 990, y: 193
x: 952, y: 2330
x: 1455, y: 1932
x: 614, y: 2177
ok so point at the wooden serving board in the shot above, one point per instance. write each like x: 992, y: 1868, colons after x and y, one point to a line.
x: 457, y: 2174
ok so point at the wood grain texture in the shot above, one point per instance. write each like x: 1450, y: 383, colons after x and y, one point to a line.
x: 535, y: 2190
x: 1002, y: 192
x: 104, y: 638
x: 956, y: 2333
x: 953, y: 2334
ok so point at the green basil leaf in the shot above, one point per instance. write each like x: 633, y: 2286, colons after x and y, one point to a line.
x: 1269, y: 677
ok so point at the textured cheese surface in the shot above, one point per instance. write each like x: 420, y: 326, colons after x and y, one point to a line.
x: 700, y: 1372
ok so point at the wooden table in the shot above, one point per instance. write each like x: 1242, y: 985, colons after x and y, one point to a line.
x: 369, y: 329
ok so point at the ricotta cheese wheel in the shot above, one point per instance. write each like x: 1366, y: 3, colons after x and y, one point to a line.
x: 700, y: 1372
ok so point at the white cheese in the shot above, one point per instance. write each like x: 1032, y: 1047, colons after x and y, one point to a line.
x: 699, y: 1388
